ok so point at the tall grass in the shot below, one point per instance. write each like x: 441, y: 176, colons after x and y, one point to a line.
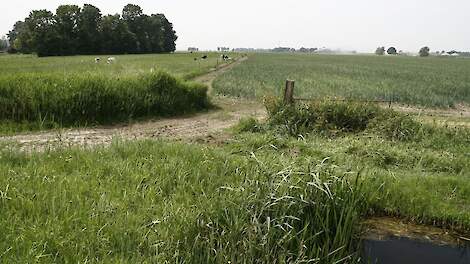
x: 263, y: 197
x: 158, y: 202
x: 432, y: 82
x: 336, y: 117
x: 89, y: 99
x: 411, y: 170
x: 290, y: 216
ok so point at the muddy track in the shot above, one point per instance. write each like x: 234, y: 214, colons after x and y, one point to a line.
x: 202, y: 126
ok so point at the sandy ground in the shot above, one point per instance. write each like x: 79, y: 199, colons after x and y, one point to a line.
x: 206, y: 126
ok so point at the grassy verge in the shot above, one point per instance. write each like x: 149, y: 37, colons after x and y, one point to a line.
x: 49, y: 100
x: 160, y: 202
x: 411, y: 170
x: 268, y: 196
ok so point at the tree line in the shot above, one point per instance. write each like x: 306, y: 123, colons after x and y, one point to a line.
x: 423, y: 52
x: 73, y: 30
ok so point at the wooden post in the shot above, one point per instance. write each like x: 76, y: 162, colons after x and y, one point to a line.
x: 289, y: 92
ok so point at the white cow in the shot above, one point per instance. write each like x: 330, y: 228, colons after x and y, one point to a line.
x: 111, y: 60
x: 97, y: 59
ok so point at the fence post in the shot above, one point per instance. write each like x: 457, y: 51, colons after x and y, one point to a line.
x: 289, y: 92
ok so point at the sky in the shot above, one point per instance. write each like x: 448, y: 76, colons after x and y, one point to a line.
x: 360, y: 25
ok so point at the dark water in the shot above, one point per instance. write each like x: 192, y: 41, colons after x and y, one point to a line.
x: 405, y: 251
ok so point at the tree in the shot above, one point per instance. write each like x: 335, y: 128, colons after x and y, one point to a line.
x: 135, y: 19
x: 116, y: 36
x: 392, y: 51
x: 380, y: 51
x: 67, y: 28
x: 74, y: 30
x: 155, y: 32
x: 3, y: 44
x: 44, y: 37
x: 20, y: 38
x: 170, y: 37
x: 88, y: 31
x: 424, y: 52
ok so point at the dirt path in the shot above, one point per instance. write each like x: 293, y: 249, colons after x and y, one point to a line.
x: 203, y: 126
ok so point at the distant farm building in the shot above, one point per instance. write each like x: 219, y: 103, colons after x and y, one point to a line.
x: 450, y: 53
x: 193, y: 49
x: 283, y: 49
x: 223, y: 49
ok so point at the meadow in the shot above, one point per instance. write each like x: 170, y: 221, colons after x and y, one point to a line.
x: 430, y: 82
x: 180, y: 65
x: 42, y: 93
x: 294, y: 188
x: 275, y: 197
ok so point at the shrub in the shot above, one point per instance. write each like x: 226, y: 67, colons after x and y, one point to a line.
x: 424, y: 52
x: 332, y: 117
x: 324, y: 116
x: 396, y: 126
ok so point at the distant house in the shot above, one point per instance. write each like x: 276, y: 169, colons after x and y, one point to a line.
x: 283, y: 49
x: 307, y: 50
x: 193, y: 49
x: 450, y: 53
x: 223, y: 49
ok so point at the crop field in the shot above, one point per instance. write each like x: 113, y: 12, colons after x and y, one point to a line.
x: 292, y: 185
x: 433, y: 82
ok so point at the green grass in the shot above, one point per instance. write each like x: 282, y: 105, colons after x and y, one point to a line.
x: 436, y: 82
x: 155, y: 202
x: 274, y: 197
x: 43, y: 93
x: 411, y: 170
x: 50, y: 100
x: 178, y: 64
x: 291, y: 190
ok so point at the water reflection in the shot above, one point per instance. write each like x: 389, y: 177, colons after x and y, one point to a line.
x: 407, y: 251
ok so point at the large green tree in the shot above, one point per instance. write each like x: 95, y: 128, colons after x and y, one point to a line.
x: 88, y: 30
x: 20, y: 38
x: 136, y: 20
x: 116, y: 36
x: 424, y: 52
x: 392, y: 51
x: 74, y: 30
x: 380, y: 51
x: 44, y: 37
x: 67, y: 28
x: 170, y: 37
x: 3, y: 43
x: 156, y: 33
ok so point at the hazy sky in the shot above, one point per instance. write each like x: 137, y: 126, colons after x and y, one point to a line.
x: 360, y: 24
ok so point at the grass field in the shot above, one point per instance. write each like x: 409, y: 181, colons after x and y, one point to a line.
x: 293, y: 188
x: 276, y: 198
x: 435, y: 82
x: 41, y: 93
x: 178, y: 64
